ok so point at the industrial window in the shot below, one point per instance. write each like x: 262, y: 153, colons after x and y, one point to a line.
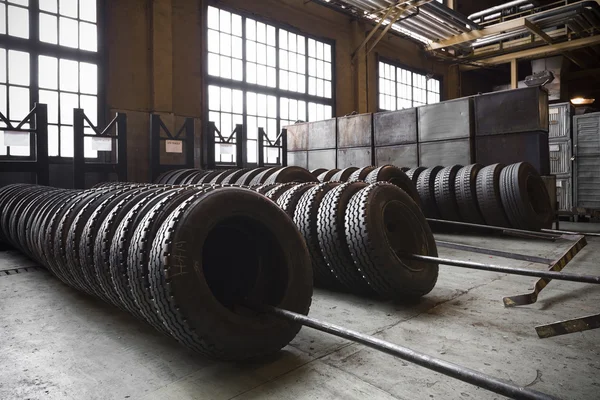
x: 262, y: 76
x: 400, y: 88
x: 49, y: 54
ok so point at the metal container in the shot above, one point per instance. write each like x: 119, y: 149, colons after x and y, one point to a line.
x: 512, y: 148
x: 321, y: 159
x: 355, y: 131
x: 446, y: 120
x: 298, y: 158
x: 447, y: 152
x: 560, y: 156
x: 586, y: 171
x: 405, y: 155
x: 560, y: 121
x: 564, y: 192
x: 354, y: 157
x: 511, y: 111
x: 395, y: 127
x: 322, y: 134
x: 297, y: 137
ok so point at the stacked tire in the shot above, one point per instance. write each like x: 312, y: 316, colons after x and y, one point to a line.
x: 238, y: 177
x: 511, y: 196
x: 163, y: 254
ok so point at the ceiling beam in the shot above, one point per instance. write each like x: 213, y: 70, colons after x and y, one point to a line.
x: 502, y: 27
x: 533, y: 28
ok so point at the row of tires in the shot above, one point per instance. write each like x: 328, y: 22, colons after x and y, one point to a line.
x: 184, y: 259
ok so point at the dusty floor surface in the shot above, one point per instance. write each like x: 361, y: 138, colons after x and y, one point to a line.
x: 56, y: 343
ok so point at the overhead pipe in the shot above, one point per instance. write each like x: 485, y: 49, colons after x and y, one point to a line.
x: 499, y: 8
x: 453, y: 14
x: 443, y: 17
x: 431, y: 21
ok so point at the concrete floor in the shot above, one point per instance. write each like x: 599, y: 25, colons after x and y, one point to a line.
x: 56, y: 343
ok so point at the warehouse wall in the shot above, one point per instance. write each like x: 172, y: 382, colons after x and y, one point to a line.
x: 155, y: 55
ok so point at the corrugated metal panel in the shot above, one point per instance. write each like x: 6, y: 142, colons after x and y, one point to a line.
x: 560, y: 121
x: 560, y: 157
x: 564, y: 192
x: 587, y: 159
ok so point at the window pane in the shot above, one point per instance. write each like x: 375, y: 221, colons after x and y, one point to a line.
x: 252, y: 151
x: 224, y: 21
x: 2, y: 19
x: 69, y: 75
x: 283, y: 39
x: 49, y: 5
x: 53, y: 141
x: 51, y: 99
x: 237, y: 72
x: 87, y: 10
x: 3, y: 103
x: 68, y: 35
x: 90, y: 106
x: 18, y: 98
x: 213, y: 64
x: 48, y: 28
x: 48, y: 72
x: 88, y: 39
x: 66, y: 141
x: 213, y: 18
x: 236, y: 47
x: 68, y: 8
x: 213, y: 41
x: 225, y: 67
x: 18, y: 22
x: 250, y: 29
x: 261, y: 32
x: 238, y: 101
x: 88, y: 78
x: 68, y: 102
x: 270, y: 35
x: 225, y: 44
x: 236, y: 25
x: 18, y: 68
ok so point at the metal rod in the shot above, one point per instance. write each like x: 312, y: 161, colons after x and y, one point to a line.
x: 569, y: 326
x: 444, y: 367
x: 541, y: 235
x: 492, y: 252
x: 571, y: 233
x: 508, y: 270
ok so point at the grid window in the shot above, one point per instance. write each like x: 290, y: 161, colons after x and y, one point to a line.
x: 62, y: 81
x: 400, y: 88
x: 274, y: 69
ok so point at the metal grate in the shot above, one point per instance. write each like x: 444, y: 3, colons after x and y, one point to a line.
x: 587, y: 158
x: 560, y: 121
x: 560, y: 157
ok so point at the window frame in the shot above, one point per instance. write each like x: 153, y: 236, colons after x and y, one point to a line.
x: 245, y: 87
x: 396, y: 65
x: 36, y: 48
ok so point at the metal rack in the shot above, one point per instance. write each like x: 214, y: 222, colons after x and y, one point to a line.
x: 184, y: 138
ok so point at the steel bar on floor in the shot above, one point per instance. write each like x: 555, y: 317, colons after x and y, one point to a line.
x: 492, y: 252
x: 507, y: 270
x: 508, y: 231
x: 568, y: 326
x: 571, y: 233
x: 444, y: 367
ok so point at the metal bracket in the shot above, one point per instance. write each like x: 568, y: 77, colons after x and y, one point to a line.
x: 568, y: 326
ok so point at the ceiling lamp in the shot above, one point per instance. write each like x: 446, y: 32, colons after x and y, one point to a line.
x: 579, y: 101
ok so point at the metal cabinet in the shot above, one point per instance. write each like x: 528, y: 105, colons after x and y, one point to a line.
x: 560, y: 121
x: 586, y: 171
x: 560, y: 157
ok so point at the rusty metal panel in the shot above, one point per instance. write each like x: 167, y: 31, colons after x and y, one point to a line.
x: 355, y: 131
x: 512, y: 148
x: 560, y: 157
x: 298, y: 158
x: 395, y: 127
x: 445, y: 120
x: 511, y: 111
x: 586, y: 172
x: 405, y: 155
x: 322, y: 134
x: 297, y: 137
x: 321, y: 159
x: 447, y: 152
x: 560, y: 121
x: 564, y: 192
x: 354, y: 157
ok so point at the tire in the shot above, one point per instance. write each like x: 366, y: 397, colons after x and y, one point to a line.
x: 332, y: 237
x: 291, y: 174
x: 381, y: 222
x: 232, y: 178
x: 263, y: 189
x: 445, y: 193
x: 326, y: 176
x: 414, y: 173
x: 466, y: 194
x: 290, y: 198
x: 305, y: 218
x: 184, y: 175
x: 395, y: 176
x: 360, y: 174
x: 224, y: 174
x: 164, y: 178
x: 201, y: 312
x: 278, y: 190
x: 525, y: 197
x: 263, y: 176
x: 245, y: 179
x: 488, y: 196
x: 426, y: 190
x: 317, y: 172
x: 343, y: 175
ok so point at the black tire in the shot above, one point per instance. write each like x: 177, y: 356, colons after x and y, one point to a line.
x: 305, y: 218
x: 525, y: 197
x: 290, y: 198
x: 291, y: 174
x: 232, y: 178
x: 166, y: 176
x: 202, y: 312
x: 488, y: 196
x: 332, y: 237
x: 466, y: 194
x: 395, y: 176
x: 193, y: 177
x: 263, y: 176
x: 426, y: 190
x: 445, y: 193
x: 317, y: 172
x: 414, y: 173
x: 221, y: 177
x: 381, y: 222
x: 326, y: 176
x: 343, y: 175
x: 245, y: 179
x: 361, y: 174
x: 278, y: 190
x: 184, y: 176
